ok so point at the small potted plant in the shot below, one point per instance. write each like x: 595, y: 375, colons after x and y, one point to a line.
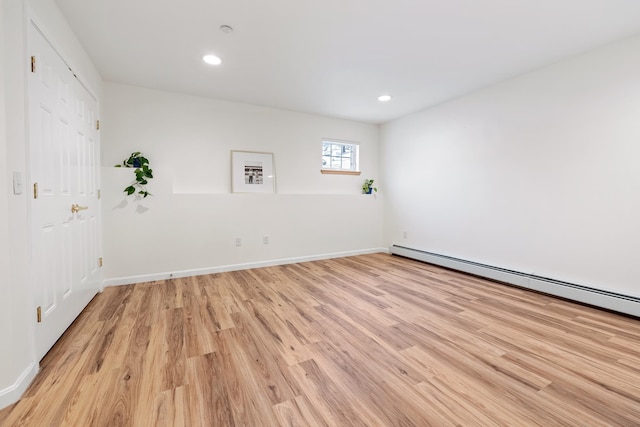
x: 142, y: 172
x: 367, y: 187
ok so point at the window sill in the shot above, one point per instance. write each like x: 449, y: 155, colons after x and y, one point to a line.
x: 339, y: 172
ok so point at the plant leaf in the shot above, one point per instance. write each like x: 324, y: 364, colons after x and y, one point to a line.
x: 142, y: 171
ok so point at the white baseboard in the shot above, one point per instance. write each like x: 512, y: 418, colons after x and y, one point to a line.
x: 627, y: 304
x: 118, y: 281
x: 12, y: 394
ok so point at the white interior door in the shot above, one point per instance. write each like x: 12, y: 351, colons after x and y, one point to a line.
x: 65, y: 213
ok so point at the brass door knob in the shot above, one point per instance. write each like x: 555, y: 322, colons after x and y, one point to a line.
x: 77, y: 208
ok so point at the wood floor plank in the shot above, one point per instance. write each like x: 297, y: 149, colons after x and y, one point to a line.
x: 371, y: 340
x: 298, y: 412
x: 377, y: 402
x: 287, y: 344
x: 331, y: 401
x: 199, y: 335
x: 288, y: 414
x: 170, y: 409
x: 209, y: 399
x: 270, y: 368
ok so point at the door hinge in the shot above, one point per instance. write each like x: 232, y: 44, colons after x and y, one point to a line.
x: 33, y: 64
x: 98, y: 194
x: 35, y: 190
x: 100, y: 261
x: 97, y: 124
x: 39, y: 314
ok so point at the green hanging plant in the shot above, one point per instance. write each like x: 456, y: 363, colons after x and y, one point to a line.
x: 143, y: 173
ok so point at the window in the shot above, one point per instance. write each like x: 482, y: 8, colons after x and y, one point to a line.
x: 339, y: 157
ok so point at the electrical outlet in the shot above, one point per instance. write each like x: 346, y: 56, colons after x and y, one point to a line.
x: 238, y: 241
x: 404, y: 234
x: 265, y: 240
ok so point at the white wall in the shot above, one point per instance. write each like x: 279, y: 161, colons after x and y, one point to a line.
x: 16, y: 364
x: 191, y: 222
x: 539, y: 174
x: 17, y: 360
x: 8, y: 365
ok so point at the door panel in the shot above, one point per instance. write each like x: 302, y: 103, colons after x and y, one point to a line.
x: 64, y: 159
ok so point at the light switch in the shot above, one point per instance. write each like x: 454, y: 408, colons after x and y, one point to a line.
x: 17, y: 183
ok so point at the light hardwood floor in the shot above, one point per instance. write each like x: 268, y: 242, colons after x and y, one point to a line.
x: 372, y: 340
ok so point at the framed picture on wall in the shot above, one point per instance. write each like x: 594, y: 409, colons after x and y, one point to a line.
x: 252, y: 172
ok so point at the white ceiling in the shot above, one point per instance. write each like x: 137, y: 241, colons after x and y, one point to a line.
x: 334, y: 57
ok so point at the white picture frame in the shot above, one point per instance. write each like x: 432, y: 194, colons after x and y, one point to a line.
x: 252, y: 172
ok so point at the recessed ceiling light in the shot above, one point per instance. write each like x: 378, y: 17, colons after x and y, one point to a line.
x: 384, y: 98
x: 212, y: 60
x: 226, y: 29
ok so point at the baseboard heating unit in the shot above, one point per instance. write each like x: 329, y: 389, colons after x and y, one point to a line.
x: 599, y: 298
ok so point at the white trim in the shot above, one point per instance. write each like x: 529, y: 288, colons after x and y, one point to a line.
x: 128, y: 280
x: 12, y: 394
